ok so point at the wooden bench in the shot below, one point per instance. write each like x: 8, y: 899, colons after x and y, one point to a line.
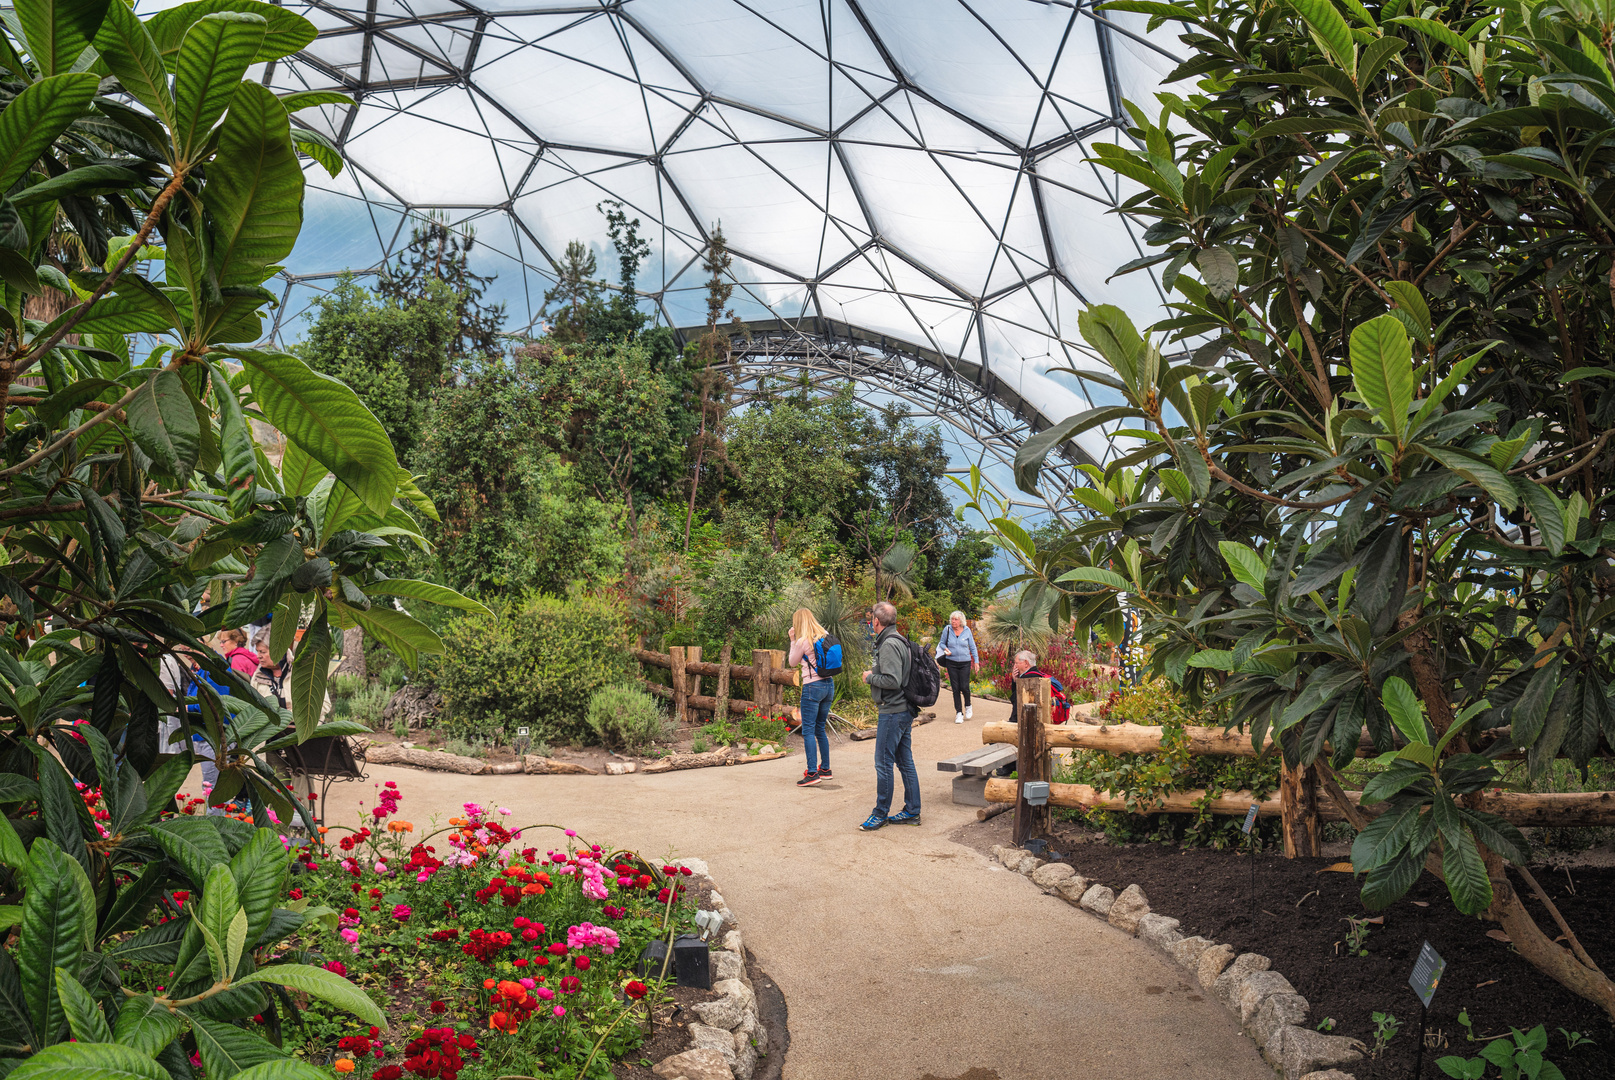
x: 974, y: 767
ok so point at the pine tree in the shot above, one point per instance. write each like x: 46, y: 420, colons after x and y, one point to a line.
x: 710, y: 384
x: 578, y: 294
x: 437, y: 252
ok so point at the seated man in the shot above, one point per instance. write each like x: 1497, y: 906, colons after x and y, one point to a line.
x: 1025, y: 667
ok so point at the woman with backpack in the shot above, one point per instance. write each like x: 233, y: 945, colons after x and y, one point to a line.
x: 819, y: 655
x: 957, y: 651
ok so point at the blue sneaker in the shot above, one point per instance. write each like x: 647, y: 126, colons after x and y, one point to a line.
x: 903, y: 818
x: 875, y: 821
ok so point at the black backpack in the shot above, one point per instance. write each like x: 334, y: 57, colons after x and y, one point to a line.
x: 924, y: 678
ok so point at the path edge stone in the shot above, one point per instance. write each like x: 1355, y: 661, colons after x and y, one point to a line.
x: 1243, y: 984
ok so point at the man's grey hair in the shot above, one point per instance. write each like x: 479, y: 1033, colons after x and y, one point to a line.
x: 885, y: 614
x: 957, y: 615
x: 1028, y: 655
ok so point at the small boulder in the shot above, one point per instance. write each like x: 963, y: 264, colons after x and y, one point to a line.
x: 1257, y: 988
x: 706, y: 1037
x: 745, y: 1056
x: 1212, y: 961
x: 697, y: 1064
x: 1097, y: 900
x: 1128, y: 908
x: 732, y: 942
x: 621, y: 768
x: 1159, y: 931
x: 1028, y: 865
x: 1329, y: 1074
x: 1233, y: 977
x: 1072, y: 888
x: 1049, y: 876
x: 739, y: 991
x: 1277, y: 1012
x: 1303, y: 1051
x: 1011, y: 857
x: 727, y: 1012
x: 698, y: 867
x: 726, y: 965
x: 1188, y: 951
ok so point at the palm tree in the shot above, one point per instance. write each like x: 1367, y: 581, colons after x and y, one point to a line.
x: 897, y: 566
x: 1020, y: 622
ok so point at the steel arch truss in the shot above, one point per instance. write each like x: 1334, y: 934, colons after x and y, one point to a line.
x: 911, y: 173
x: 775, y: 357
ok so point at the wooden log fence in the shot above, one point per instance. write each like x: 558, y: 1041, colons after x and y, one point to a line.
x: 1302, y: 803
x: 766, y: 673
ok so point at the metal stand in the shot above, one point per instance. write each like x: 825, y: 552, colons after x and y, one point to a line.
x: 1418, y: 1069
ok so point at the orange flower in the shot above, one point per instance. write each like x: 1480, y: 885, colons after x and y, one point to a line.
x: 513, y: 990
x: 343, y: 1066
x: 400, y: 826
x: 533, y: 889
x: 500, y: 1021
x: 323, y: 830
x: 487, y: 984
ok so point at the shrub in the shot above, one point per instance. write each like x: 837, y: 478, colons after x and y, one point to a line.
x: 534, y: 663
x: 624, y: 717
x: 366, y: 704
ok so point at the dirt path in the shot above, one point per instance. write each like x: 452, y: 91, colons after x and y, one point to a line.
x: 902, y: 954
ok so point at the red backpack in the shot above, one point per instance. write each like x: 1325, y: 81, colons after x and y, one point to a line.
x: 1059, y: 703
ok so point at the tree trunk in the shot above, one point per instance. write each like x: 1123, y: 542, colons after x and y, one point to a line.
x: 1539, y: 950
x: 353, y: 662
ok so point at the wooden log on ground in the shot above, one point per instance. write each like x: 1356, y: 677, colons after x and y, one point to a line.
x: 680, y: 691
x: 1138, y: 739
x: 992, y: 811
x: 534, y: 765
x: 726, y: 756
x: 391, y: 754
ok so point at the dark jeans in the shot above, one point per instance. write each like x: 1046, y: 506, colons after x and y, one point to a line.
x: 816, y: 699
x: 959, y: 679
x: 894, y: 745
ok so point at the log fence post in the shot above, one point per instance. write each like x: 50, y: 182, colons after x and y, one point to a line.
x: 1032, y: 758
x: 776, y: 691
x: 692, y: 654
x: 680, y: 691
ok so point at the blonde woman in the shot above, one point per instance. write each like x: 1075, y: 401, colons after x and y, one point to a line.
x: 818, y: 691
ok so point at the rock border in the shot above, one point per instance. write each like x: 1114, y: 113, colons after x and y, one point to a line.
x: 743, y: 1034
x: 1262, y: 1000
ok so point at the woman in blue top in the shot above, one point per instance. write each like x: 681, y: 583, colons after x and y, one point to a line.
x: 957, y: 651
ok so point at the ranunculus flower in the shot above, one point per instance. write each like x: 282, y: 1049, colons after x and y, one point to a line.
x: 571, y: 984
x: 336, y: 967
x: 557, y: 949
x: 438, y: 1008
x: 636, y: 989
x: 343, y: 1066
x: 401, y: 912
x: 582, y: 962
x: 349, y: 934
x: 545, y: 993
x: 560, y: 1011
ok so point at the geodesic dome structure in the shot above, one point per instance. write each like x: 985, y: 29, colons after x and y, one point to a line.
x: 901, y: 183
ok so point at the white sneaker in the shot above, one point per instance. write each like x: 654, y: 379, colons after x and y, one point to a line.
x: 959, y: 718
x: 970, y: 711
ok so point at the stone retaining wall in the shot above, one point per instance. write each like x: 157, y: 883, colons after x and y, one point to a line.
x: 1262, y: 1000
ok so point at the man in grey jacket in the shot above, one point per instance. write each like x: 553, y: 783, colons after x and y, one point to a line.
x: 895, y: 724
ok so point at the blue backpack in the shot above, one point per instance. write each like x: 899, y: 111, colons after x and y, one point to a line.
x: 827, y: 656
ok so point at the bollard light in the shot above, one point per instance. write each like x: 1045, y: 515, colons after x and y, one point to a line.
x: 1035, y: 792
x: 693, y: 962
x: 709, y: 922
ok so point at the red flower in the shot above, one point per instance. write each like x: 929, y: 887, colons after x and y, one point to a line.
x: 336, y: 967
x: 636, y: 989
x: 388, y: 1072
x: 296, y: 894
x: 571, y: 984
x: 438, y: 1008
x: 557, y: 949
x: 582, y: 962
x: 375, y: 894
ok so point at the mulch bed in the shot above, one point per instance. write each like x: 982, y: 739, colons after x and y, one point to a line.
x: 1301, y: 925
x: 670, y: 1036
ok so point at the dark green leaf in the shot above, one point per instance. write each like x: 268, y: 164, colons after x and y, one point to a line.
x: 309, y: 671
x: 35, y: 117
x: 145, y: 1025
x: 54, y: 921
x: 163, y: 424
x: 58, y: 32
x: 213, y: 56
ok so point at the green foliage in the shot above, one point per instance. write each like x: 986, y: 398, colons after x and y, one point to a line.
x: 535, y: 662
x: 770, y: 731
x: 514, y: 516
x: 742, y: 585
x: 624, y: 717
x: 1379, y: 472
x: 1386, y: 1028
x: 788, y: 462
x: 717, y: 732
x: 436, y: 263
x: 394, y: 355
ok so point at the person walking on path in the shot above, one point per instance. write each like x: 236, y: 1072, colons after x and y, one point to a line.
x: 957, y: 651
x: 818, y: 691
x: 894, y: 730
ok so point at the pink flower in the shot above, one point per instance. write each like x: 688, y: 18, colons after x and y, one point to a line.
x: 401, y: 912
x: 527, y: 984
x: 504, y: 811
x: 350, y: 935
x: 381, y: 867
x: 545, y: 993
x: 423, y: 876
x: 560, y: 1011
x: 571, y: 832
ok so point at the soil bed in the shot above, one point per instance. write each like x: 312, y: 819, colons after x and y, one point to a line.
x: 1301, y: 925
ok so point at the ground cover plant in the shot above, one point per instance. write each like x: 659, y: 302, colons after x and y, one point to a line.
x: 1374, y: 496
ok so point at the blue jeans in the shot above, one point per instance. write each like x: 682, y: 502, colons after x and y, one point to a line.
x: 816, y: 699
x: 894, y: 745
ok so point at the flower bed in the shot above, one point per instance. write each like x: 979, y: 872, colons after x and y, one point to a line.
x: 492, y: 950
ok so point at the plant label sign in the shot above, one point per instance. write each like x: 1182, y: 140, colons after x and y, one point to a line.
x: 1427, y: 974
x: 1250, y: 820
x: 521, y: 731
